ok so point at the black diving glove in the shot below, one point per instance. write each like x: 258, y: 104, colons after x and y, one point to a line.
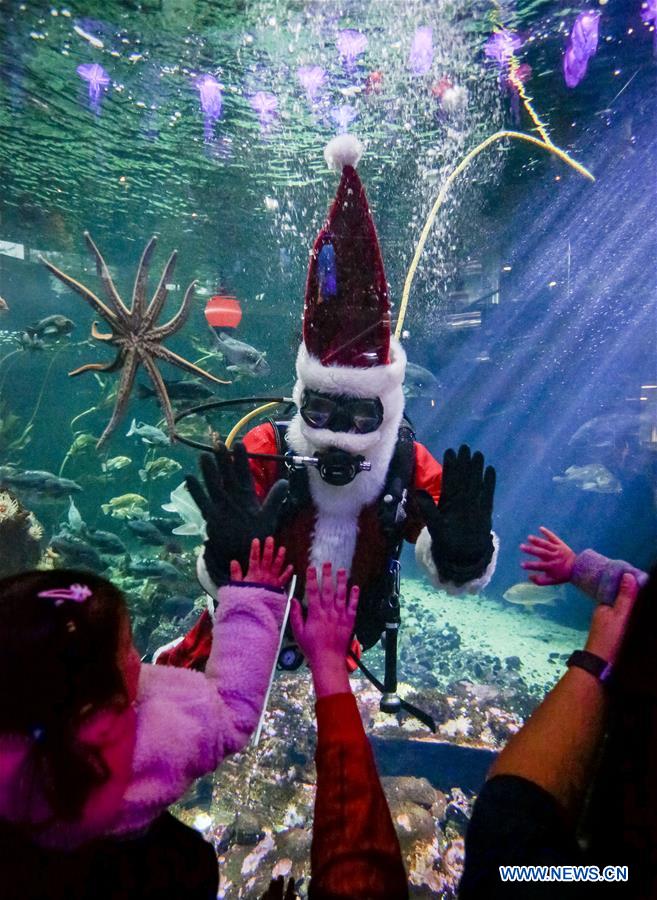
x: 231, y: 509
x: 460, y: 525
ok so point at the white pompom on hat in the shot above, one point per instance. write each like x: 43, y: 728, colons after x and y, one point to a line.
x: 343, y: 150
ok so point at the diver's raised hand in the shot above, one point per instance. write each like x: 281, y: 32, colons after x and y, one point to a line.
x: 268, y: 569
x: 554, y: 558
x: 461, y: 523
x: 231, y: 509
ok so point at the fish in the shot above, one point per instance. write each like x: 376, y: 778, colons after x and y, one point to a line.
x: 610, y: 432
x: 51, y: 326
x: 127, y: 506
x: 154, y: 568
x: 38, y: 483
x: 31, y: 342
x: 592, y: 477
x: 163, y: 467
x: 420, y: 382
x: 178, y: 390
x: 77, y: 552
x: 530, y: 595
x: 243, y: 358
x: 4, y: 306
x: 116, y: 463
x: 149, y: 434
x: 147, y: 532
x: 74, y: 518
x: 181, y: 502
x: 106, y: 541
x: 177, y: 606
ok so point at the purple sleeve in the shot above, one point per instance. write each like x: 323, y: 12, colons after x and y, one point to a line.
x: 600, y: 577
x: 244, y: 644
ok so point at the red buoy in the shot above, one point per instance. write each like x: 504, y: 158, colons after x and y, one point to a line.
x: 223, y: 311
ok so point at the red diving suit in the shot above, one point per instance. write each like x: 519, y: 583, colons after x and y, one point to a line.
x: 370, y: 558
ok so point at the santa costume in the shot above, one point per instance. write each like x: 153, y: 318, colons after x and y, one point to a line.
x: 360, y: 502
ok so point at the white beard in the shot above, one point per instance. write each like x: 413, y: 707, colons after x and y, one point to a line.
x: 338, y: 506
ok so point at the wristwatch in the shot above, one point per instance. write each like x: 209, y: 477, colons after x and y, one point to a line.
x: 593, y: 664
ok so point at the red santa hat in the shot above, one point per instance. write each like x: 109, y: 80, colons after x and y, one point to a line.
x: 347, y: 344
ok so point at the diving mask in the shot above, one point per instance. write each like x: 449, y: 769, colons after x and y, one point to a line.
x: 361, y: 415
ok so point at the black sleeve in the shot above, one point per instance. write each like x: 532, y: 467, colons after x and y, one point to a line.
x: 514, y: 822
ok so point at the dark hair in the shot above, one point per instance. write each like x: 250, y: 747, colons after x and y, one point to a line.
x: 59, y: 663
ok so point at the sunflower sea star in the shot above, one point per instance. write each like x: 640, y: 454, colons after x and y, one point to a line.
x: 134, y: 333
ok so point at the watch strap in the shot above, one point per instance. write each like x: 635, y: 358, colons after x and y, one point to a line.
x: 593, y: 664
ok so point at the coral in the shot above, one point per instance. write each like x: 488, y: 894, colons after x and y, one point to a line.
x: 20, y: 534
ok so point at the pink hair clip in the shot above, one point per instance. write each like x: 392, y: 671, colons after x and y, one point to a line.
x: 76, y: 592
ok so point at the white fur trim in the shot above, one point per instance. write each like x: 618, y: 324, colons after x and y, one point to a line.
x: 345, y: 502
x: 334, y: 539
x: 355, y: 382
x: 206, y: 582
x: 424, y: 557
x: 343, y: 150
x: 164, y: 647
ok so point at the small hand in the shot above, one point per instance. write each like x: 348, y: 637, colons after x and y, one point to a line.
x: 609, y: 623
x: 555, y: 558
x: 267, y: 570
x: 325, y: 633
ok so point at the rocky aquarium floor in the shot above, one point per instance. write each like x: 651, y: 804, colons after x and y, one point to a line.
x: 475, y: 666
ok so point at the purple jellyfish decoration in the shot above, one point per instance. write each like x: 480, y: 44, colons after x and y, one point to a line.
x: 501, y: 46
x: 343, y: 116
x: 264, y: 104
x: 649, y: 15
x: 582, y: 45
x: 351, y: 44
x: 312, y: 80
x: 421, y: 55
x: 211, y: 103
x: 97, y: 79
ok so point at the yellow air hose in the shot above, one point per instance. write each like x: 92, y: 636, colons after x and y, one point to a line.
x: 235, y: 430
x: 465, y: 162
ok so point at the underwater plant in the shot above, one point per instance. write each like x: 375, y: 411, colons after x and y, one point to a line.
x: 20, y: 536
x: 134, y: 333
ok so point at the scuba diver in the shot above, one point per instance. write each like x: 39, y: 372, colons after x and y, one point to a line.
x: 345, y: 480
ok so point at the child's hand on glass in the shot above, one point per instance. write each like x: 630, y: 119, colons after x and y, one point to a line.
x: 555, y: 559
x: 324, y: 635
x: 267, y: 570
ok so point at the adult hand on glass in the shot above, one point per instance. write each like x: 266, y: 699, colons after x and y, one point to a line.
x: 554, y: 558
x: 267, y: 569
x: 461, y: 523
x: 231, y: 509
x: 324, y: 635
x: 609, y: 623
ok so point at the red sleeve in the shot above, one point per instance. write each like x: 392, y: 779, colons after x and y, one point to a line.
x: 355, y: 852
x: 193, y: 651
x: 262, y: 439
x: 428, y: 477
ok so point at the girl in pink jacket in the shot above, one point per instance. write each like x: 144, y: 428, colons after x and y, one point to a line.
x: 93, y: 744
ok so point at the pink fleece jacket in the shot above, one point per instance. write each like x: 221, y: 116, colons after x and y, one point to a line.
x: 181, y: 726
